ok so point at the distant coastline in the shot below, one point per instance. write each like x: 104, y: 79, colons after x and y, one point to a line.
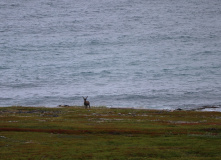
x: 205, y: 108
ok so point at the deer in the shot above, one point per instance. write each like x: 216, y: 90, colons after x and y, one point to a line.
x: 86, y: 103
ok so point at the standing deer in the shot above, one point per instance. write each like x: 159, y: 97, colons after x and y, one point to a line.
x: 86, y: 103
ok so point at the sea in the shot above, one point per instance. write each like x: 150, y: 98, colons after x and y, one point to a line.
x: 149, y: 54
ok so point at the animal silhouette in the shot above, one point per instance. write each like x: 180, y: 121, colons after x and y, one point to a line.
x: 86, y: 103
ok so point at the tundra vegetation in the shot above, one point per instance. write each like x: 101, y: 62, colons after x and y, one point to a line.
x: 105, y: 133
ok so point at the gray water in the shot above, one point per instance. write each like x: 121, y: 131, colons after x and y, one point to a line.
x: 155, y: 54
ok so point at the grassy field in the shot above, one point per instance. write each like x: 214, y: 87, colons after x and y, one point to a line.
x: 104, y: 133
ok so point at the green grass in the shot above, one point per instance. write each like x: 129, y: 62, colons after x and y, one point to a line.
x: 103, y: 133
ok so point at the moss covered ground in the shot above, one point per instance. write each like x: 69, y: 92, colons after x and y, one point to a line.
x: 104, y: 133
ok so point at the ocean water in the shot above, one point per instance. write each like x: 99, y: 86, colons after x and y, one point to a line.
x: 154, y: 54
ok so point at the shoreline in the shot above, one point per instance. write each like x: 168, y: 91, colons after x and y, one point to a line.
x: 202, y: 108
